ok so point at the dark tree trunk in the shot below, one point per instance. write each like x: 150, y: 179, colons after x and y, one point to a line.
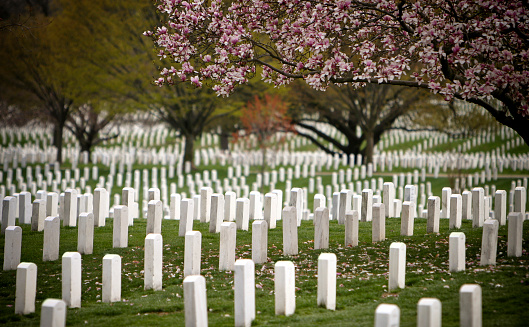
x: 370, y: 143
x: 189, y: 150
x: 224, y: 141
x: 58, y: 131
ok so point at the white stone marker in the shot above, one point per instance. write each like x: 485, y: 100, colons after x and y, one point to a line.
x: 407, y: 218
x: 8, y: 212
x: 174, y: 207
x: 153, y: 194
x: 71, y: 279
x: 270, y: 209
x: 456, y: 252
x: 256, y: 207
x: 12, y: 247
x: 387, y: 315
x: 101, y: 206
x: 154, y: 217
x: 111, y: 278
x: 259, y: 241
x: 120, y: 231
x: 195, y: 301
x: 85, y: 233
x: 378, y: 232
x: 192, y: 253
x: 397, y: 265
x: 296, y: 201
x: 285, y: 286
x: 127, y: 199
x: 489, y: 242
x: 38, y: 214
x: 432, y: 224
x: 244, y: 294
x: 470, y: 305
x: 70, y: 208
x: 344, y: 205
x: 52, y: 204
x: 467, y: 205
x: 24, y: 205
x: 290, y: 231
x: 228, y: 237
x: 26, y: 288
x: 205, y: 204
x: 456, y: 209
x: 53, y: 313
x: 500, y: 206
x: 321, y: 228
x: 229, y: 205
x: 515, y: 234
x: 153, y: 262
x: 520, y: 199
x: 327, y: 281
x: 445, y: 202
x: 367, y: 205
x: 429, y: 312
x: 279, y: 206
x: 388, y: 198
x: 216, y: 213
x: 351, y: 228
x: 242, y: 213
x: 186, y: 217
x: 50, y: 247
x: 478, y: 207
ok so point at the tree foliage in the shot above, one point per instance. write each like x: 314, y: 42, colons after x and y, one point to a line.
x: 472, y: 50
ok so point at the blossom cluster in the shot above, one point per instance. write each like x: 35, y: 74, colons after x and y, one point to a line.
x: 472, y: 48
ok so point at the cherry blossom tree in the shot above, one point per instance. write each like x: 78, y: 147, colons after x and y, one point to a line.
x: 476, y: 50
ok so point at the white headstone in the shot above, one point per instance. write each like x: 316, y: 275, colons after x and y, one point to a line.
x: 85, y: 233
x: 478, y: 207
x: 186, y: 216
x: 456, y: 252
x: 120, y: 232
x: 154, y: 217
x: 242, y: 213
x: 71, y: 279
x: 321, y: 228
x: 38, y: 214
x: 378, y: 232
x: 205, y: 204
x: 26, y: 288
x: 12, y: 247
x: 216, y: 213
x: 367, y: 205
x: 489, y: 242
x: 8, y: 212
x: 470, y: 305
x: 101, y: 206
x: 50, y: 247
x: 70, y: 208
x: 515, y: 234
x: 290, y: 231
x: 153, y: 262
x: 500, y: 206
x: 432, y: 224
x: 429, y: 312
x: 53, y: 313
x: 259, y: 241
x: 195, y: 301
x: 327, y: 281
x: 244, y: 291
x: 407, y: 218
x: 387, y: 315
x: 228, y: 235
x: 192, y: 253
x: 351, y: 228
x: 285, y: 286
x: 456, y: 209
x: 111, y: 278
x: 397, y: 265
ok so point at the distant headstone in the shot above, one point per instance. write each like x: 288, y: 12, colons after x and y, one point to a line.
x: 321, y: 228
x: 456, y: 252
x: 153, y: 262
x: 111, y: 278
x: 290, y: 231
x: 50, y: 247
x: 259, y: 241
x: 26, y: 288
x: 192, y: 253
x: 397, y: 266
x: 71, y: 279
x: 489, y: 242
x: 195, y: 301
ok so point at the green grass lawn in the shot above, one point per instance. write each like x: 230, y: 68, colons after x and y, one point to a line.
x: 361, y: 280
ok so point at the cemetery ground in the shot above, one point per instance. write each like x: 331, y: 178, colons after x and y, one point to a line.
x: 361, y: 278
x: 362, y: 271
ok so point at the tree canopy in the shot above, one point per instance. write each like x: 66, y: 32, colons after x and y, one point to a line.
x: 472, y: 50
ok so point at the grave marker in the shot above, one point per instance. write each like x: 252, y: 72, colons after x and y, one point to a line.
x: 407, y: 218
x: 195, y: 301
x: 327, y: 281
x: 186, y: 217
x: 71, y: 279
x: 432, y: 225
x: 379, y: 223
x: 153, y: 262
x: 351, y: 228
x: 38, y: 214
x: 259, y: 241
x: 456, y: 252
x: 111, y: 278
x: 470, y: 305
x: 285, y: 285
x: 397, y: 266
x: 53, y: 313
x: 8, y: 212
x: 85, y: 233
x: 429, y: 312
x: 192, y: 253
x: 228, y: 234
x: 515, y: 234
x: 321, y: 228
x: 154, y: 217
x: 12, y: 247
x: 290, y: 231
x: 120, y: 231
x: 456, y: 208
x: 50, y: 247
x: 387, y: 315
x: 242, y: 213
x: 489, y: 242
x: 244, y: 291
x: 216, y: 213
x: 26, y: 288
